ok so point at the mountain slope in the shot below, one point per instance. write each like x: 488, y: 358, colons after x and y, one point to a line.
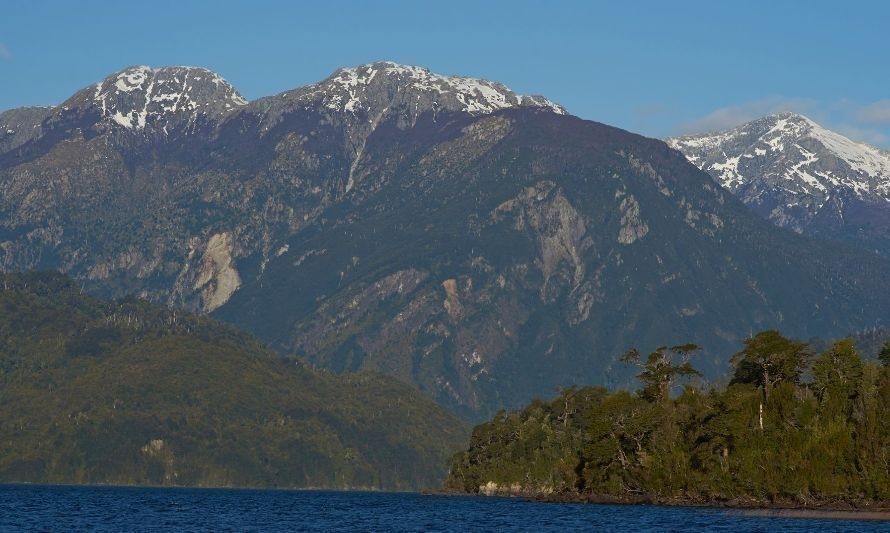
x: 801, y: 176
x: 482, y: 246
x: 524, y: 250
x: 131, y: 393
x: 124, y: 196
x: 18, y: 126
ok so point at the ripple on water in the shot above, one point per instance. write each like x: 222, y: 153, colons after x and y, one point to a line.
x: 31, y: 507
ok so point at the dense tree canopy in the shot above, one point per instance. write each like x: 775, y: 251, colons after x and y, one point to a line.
x: 788, y: 429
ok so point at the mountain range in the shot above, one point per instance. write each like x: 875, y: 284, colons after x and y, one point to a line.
x: 484, y: 246
x: 801, y: 176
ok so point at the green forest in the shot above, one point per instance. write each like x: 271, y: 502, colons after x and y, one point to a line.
x: 130, y: 393
x: 790, y: 427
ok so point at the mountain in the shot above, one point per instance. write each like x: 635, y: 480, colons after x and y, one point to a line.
x: 128, y: 392
x: 148, y: 154
x: 149, y: 103
x: 801, y: 176
x: 482, y: 246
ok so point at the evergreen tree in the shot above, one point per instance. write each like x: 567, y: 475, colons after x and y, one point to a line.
x: 837, y: 374
x: 769, y: 358
x: 662, y: 368
x: 884, y: 356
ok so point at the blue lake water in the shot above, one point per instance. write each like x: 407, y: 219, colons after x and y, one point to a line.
x: 27, y: 507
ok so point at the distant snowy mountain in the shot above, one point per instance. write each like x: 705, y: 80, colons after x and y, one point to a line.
x: 801, y: 176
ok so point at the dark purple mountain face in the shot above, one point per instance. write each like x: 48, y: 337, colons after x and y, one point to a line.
x: 483, y: 246
x: 801, y: 176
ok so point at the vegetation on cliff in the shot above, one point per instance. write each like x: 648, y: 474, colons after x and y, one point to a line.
x: 128, y: 392
x: 791, y: 427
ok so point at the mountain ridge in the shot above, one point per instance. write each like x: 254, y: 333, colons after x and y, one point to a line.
x: 801, y: 176
x: 484, y: 257
x: 138, y: 82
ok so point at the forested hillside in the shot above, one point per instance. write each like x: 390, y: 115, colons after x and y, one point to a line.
x: 128, y: 392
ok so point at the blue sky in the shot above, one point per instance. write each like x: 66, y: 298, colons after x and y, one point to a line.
x: 658, y: 68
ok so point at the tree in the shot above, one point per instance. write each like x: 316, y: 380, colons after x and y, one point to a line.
x: 884, y: 356
x: 838, y: 372
x: 660, y: 370
x: 769, y: 358
x: 569, y: 409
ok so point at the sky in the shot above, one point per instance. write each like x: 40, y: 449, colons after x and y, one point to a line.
x: 657, y: 68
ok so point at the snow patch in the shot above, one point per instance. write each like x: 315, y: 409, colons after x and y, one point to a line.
x: 139, y: 96
x: 344, y: 90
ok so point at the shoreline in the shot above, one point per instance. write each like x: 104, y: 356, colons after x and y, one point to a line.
x: 879, y: 516
x: 839, y: 510
x: 737, y: 504
x: 843, y: 510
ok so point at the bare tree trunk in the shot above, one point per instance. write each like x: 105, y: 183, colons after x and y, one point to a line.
x: 766, y: 386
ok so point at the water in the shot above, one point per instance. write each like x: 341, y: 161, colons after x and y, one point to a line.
x: 26, y: 507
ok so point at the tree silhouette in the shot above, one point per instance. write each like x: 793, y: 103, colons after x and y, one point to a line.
x: 661, y: 370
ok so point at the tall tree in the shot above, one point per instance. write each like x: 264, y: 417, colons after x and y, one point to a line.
x: 662, y: 368
x: 769, y: 358
x: 837, y: 375
x: 884, y: 356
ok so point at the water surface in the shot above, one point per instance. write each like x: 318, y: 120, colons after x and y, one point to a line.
x: 32, y: 507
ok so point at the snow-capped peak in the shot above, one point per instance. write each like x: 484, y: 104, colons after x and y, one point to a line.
x: 163, y: 98
x: 792, y: 147
x: 351, y: 90
x: 860, y: 156
x: 791, y: 168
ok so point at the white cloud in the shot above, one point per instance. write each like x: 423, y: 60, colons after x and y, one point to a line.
x: 866, y: 135
x: 5, y: 52
x: 731, y: 116
x: 875, y: 113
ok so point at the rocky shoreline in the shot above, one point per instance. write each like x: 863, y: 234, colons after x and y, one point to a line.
x: 779, y: 508
x: 846, y: 510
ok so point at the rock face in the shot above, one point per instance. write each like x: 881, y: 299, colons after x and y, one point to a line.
x: 218, y: 279
x: 801, y: 176
x: 18, y: 126
x: 483, y: 246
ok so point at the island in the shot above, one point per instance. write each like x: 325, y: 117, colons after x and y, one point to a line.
x: 789, y: 428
